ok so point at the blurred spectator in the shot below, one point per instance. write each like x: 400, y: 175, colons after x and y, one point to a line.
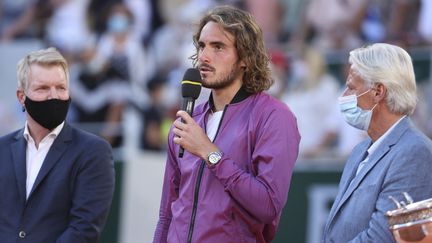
x: 97, y: 14
x: 141, y: 12
x: 427, y: 94
x: 332, y: 24
x: 67, y: 28
x: 402, y: 22
x: 279, y: 65
x: 152, y: 137
x: 292, y: 16
x: 373, y: 27
x: 98, y: 11
x: 422, y: 116
x: 113, y: 76
x: 425, y: 21
x: 10, y: 11
x: 269, y: 15
x: 392, y: 21
x: 61, y: 23
x: 401, y: 26
x: 172, y: 44
x: 24, y: 19
x: 8, y: 120
x: 312, y: 95
x: 156, y: 16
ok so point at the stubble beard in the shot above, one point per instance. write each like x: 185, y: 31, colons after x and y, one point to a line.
x: 226, y: 80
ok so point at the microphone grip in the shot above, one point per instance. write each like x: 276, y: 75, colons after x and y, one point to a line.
x: 188, y: 106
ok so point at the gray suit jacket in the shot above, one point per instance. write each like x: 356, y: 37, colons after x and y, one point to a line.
x: 401, y: 163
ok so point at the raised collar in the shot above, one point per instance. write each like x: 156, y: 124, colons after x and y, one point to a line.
x: 241, y: 95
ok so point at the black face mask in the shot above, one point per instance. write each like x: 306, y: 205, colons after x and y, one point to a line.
x: 48, y: 113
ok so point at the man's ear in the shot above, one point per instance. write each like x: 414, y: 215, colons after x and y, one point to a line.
x: 21, y: 96
x: 380, y: 92
x: 242, y: 64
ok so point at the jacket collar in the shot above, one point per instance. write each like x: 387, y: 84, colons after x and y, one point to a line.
x: 54, y: 154
x: 241, y: 95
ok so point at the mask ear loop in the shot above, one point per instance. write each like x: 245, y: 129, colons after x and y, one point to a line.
x: 364, y: 93
x: 373, y: 107
x: 375, y: 104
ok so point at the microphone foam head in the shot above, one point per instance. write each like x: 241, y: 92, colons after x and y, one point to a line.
x: 191, y: 83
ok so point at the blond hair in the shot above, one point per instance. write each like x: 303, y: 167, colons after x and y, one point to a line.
x: 48, y: 57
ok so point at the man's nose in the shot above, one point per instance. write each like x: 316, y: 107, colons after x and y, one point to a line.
x: 203, y: 55
x: 53, y: 94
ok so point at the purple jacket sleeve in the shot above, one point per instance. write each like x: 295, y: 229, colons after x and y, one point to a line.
x: 264, y: 194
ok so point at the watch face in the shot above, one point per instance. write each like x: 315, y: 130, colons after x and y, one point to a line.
x: 214, y: 157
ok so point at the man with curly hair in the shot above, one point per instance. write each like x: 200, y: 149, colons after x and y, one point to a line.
x: 240, y: 146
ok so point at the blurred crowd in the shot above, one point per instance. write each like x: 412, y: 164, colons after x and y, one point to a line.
x: 127, y: 59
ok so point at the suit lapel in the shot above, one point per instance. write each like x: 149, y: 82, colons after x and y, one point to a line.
x: 54, y: 154
x: 18, y: 149
x: 361, y: 156
x: 354, y: 183
x: 384, y: 148
x: 351, y: 164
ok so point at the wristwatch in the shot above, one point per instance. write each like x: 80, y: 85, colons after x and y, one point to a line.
x: 214, y: 157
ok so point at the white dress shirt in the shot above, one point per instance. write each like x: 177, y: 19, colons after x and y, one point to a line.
x: 36, y: 156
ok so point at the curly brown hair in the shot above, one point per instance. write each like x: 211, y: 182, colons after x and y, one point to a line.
x: 248, y: 42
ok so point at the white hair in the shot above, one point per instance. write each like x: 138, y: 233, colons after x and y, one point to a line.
x: 391, y: 66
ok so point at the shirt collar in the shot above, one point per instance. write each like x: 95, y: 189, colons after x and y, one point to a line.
x: 375, y: 145
x: 54, y: 133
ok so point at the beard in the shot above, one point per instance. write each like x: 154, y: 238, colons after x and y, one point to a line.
x: 223, y: 80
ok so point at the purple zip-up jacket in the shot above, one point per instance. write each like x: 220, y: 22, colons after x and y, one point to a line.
x: 241, y: 198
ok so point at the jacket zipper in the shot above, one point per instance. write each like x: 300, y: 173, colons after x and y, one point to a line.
x: 198, y: 183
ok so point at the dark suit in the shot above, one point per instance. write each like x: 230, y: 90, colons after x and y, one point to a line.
x: 401, y: 163
x: 71, y: 196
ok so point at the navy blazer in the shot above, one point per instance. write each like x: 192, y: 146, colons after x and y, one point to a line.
x: 71, y: 196
x: 401, y: 163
